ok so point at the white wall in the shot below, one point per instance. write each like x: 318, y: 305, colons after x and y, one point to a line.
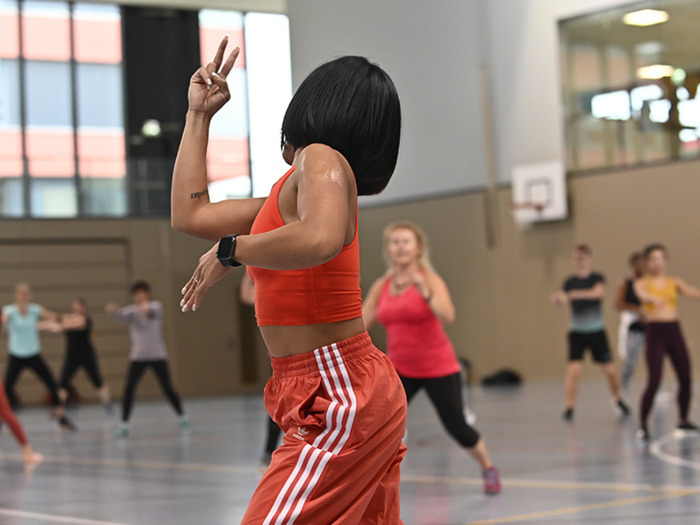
x: 433, y: 51
x: 524, y: 63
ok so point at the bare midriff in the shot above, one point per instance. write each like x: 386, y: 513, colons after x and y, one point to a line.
x: 285, y: 341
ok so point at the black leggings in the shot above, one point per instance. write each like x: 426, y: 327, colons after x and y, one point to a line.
x: 446, y: 395
x: 662, y: 339
x: 76, y: 359
x: 36, y: 363
x: 136, y: 370
x: 273, y: 436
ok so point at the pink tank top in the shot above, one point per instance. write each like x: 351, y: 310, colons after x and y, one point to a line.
x: 417, y: 344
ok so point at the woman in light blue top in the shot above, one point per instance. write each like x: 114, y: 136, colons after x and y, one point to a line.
x: 22, y: 319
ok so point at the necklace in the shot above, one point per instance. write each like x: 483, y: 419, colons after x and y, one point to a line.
x: 400, y: 285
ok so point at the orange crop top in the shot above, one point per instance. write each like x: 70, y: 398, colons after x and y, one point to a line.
x: 326, y: 293
x: 667, y: 293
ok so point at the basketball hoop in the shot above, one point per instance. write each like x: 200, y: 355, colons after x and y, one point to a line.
x: 536, y: 206
x: 526, y: 213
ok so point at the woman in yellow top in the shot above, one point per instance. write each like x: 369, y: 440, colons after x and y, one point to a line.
x: 658, y: 293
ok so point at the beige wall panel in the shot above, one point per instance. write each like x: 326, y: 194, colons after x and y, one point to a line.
x: 504, y: 318
x: 501, y: 293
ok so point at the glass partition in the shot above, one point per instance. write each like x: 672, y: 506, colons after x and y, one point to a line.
x: 630, y: 79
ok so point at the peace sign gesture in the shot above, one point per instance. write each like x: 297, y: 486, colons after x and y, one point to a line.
x: 208, y: 90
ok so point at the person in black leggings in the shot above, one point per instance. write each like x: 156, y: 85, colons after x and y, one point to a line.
x: 413, y: 303
x: 273, y: 431
x: 145, y: 319
x: 659, y: 293
x: 22, y: 321
x: 80, y: 352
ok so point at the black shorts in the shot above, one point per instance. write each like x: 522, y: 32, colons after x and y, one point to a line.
x: 596, y: 341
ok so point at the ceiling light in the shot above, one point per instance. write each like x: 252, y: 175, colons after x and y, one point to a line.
x: 655, y: 71
x: 645, y: 17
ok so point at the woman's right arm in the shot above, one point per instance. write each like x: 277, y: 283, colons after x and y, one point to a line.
x: 73, y: 322
x: 191, y: 211
x: 621, y: 299
x: 369, y: 306
x: 641, y: 292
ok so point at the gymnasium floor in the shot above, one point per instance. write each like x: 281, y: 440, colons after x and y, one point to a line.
x: 590, y: 471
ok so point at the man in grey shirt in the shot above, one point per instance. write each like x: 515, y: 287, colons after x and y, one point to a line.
x: 145, y: 319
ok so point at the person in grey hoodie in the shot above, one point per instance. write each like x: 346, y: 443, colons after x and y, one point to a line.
x: 145, y: 319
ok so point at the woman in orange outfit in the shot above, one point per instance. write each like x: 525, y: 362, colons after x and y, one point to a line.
x: 337, y: 398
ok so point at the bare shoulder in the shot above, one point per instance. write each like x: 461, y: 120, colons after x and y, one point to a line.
x: 434, y: 277
x: 319, y: 160
x: 376, y: 288
x: 676, y: 280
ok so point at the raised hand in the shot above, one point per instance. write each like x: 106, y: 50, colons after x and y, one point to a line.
x: 208, y: 90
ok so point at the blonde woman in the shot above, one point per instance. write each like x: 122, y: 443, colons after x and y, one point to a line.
x: 413, y: 303
x: 22, y: 320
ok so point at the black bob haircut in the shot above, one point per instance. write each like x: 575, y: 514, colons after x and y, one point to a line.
x: 140, y: 286
x: 352, y: 106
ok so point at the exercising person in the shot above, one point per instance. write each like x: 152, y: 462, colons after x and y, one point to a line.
x: 584, y: 291
x: 413, y: 302
x: 272, y: 429
x: 631, y: 333
x: 336, y: 397
x: 7, y: 416
x: 80, y: 352
x: 659, y: 293
x: 145, y: 319
x: 22, y: 321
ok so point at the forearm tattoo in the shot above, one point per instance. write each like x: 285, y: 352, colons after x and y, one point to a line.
x: 199, y: 194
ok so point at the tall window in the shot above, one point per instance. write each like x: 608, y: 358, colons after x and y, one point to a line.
x: 62, y: 132
x: 244, y: 156
x: 62, y: 151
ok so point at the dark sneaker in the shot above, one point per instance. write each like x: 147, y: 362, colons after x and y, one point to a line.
x: 568, y: 414
x: 643, y: 434
x: 492, y: 481
x: 686, y: 429
x: 622, y: 408
x: 66, y: 424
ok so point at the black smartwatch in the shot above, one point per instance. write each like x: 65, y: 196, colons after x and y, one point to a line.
x: 227, y: 247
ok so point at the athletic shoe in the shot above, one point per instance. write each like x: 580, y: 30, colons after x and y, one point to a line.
x: 109, y: 408
x: 122, y: 431
x: 568, y: 414
x: 492, y: 481
x: 185, y: 426
x: 686, y: 429
x: 66, y: 424
x: 643, y: 434
x: 620, y: 407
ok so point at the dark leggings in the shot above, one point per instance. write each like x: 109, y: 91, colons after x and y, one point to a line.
x: 446, y: 395
x: 37, y: 364
x: 666, y: 338
x: 136, y: 370
x: 273, y: 436
x: 7, y: 416
x: 75, y: 360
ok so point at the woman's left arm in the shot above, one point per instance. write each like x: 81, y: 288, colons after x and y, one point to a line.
x: 686, y: 289
x: 435, y: 292
x: 324, y: 186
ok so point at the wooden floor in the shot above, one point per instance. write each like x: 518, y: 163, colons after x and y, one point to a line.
x: 590, y: 471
